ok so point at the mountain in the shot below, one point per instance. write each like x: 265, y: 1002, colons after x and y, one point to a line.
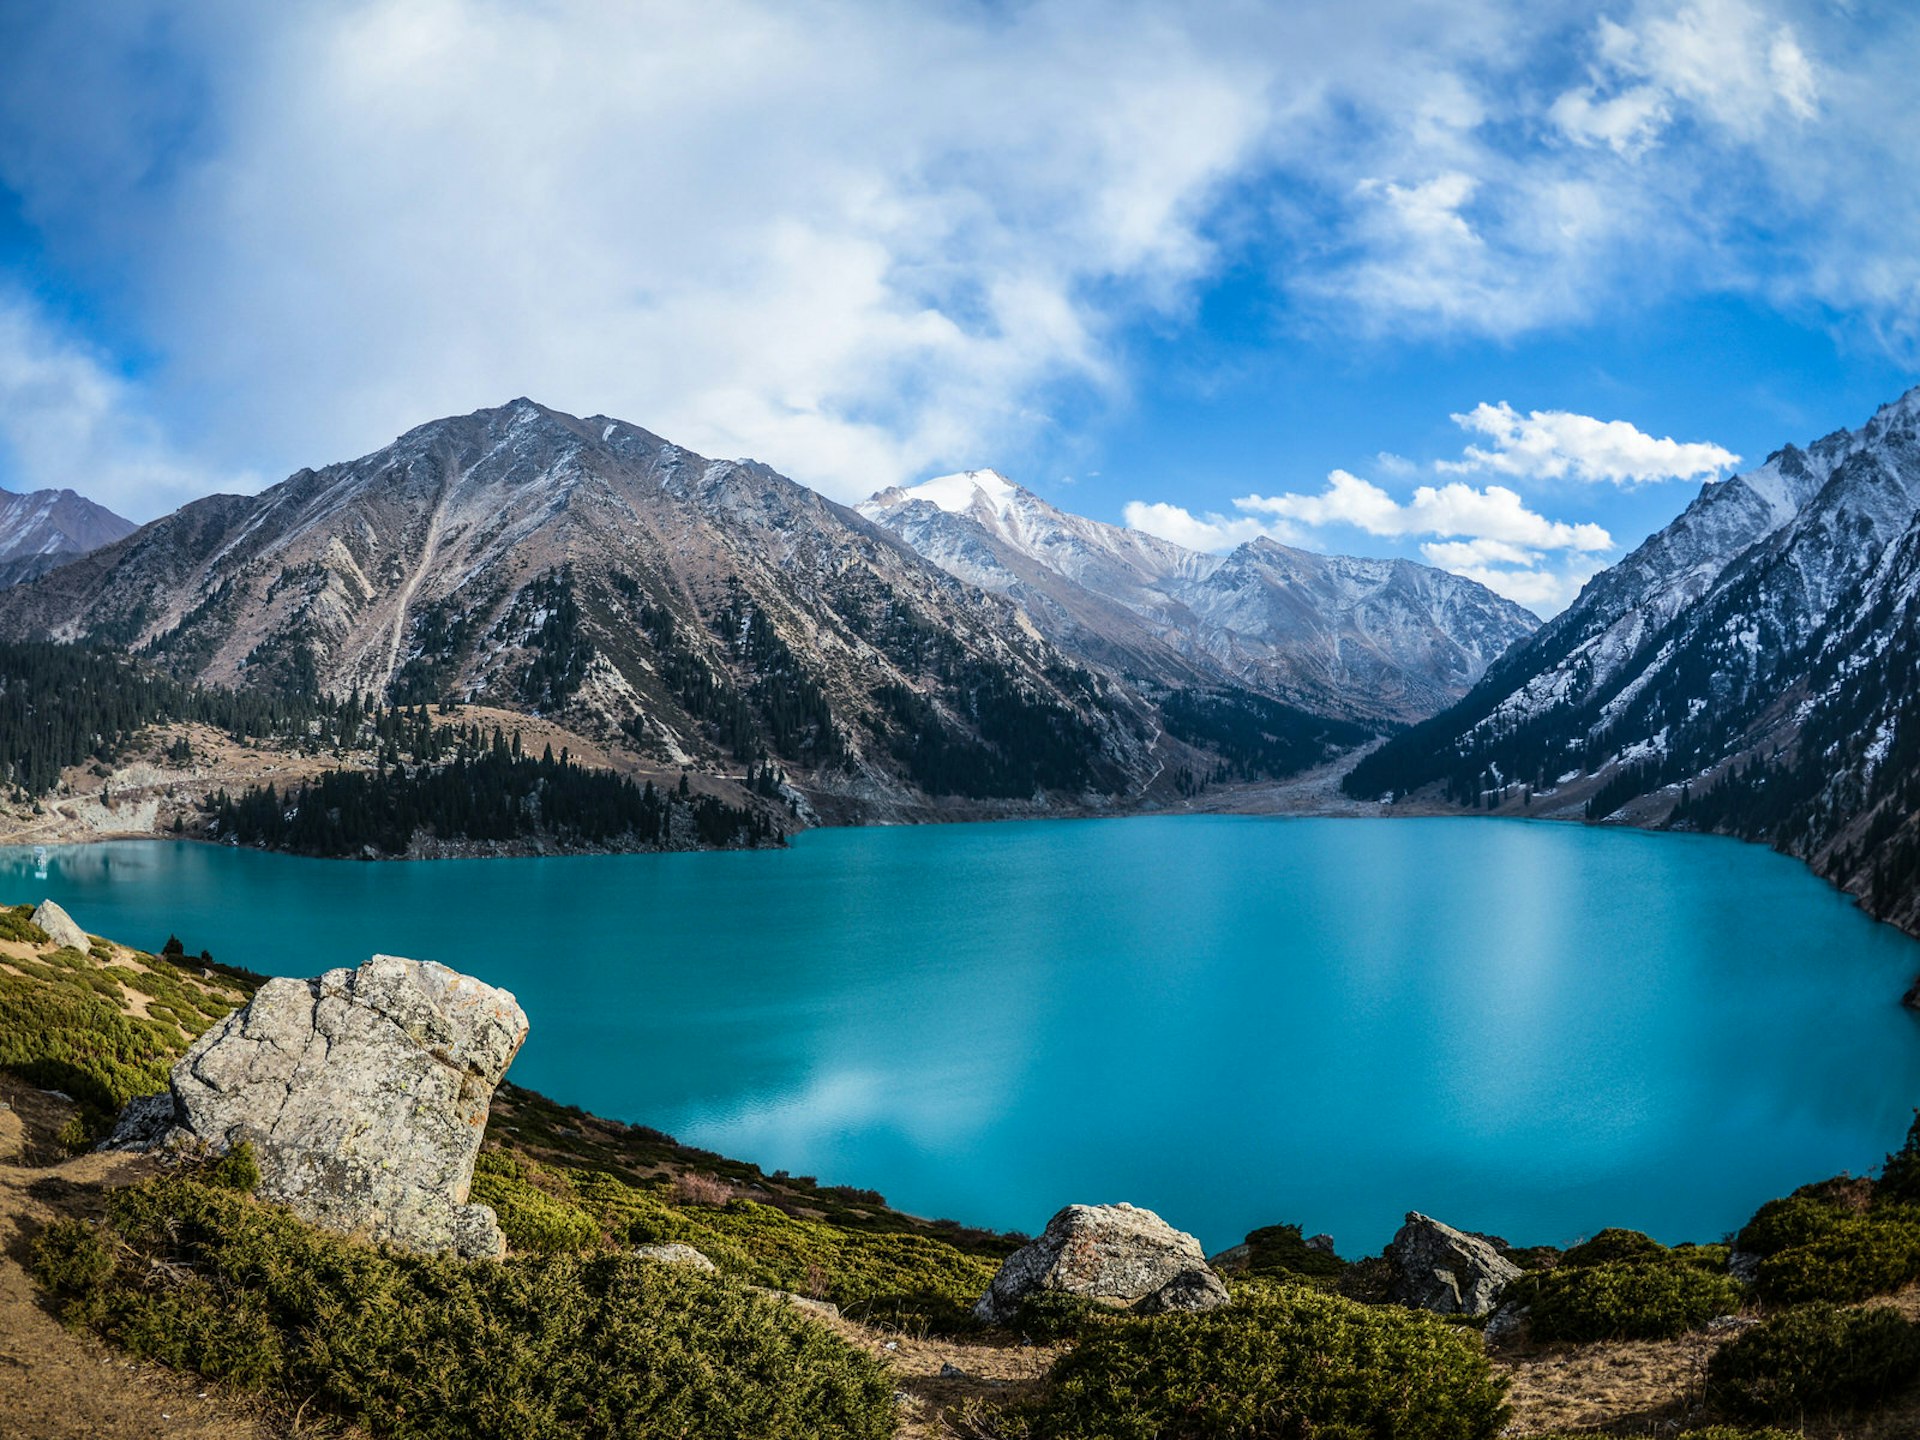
x: 698, y: 612
x: 45, y: 528
x: 1750, y: 669
x: 1378, y: 642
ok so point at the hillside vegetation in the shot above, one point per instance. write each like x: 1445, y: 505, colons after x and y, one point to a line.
x: 575, y: 1335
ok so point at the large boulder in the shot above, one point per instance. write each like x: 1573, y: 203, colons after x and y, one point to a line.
x: 1436, y: 1267
x: 1117, y: 1254
x: 60, y: 926
x: 364, y: 1095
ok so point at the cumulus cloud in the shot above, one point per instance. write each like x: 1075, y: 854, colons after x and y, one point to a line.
x: 1488, y: 535
x: 69, y: 422
x: 1455, y: 509
x: 864, y: 242
x: 1556, y: 444
x: 1211, y: 532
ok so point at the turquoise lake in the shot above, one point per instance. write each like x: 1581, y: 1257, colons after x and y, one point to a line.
x: 1525, y: 1028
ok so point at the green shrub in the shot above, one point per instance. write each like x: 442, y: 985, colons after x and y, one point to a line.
x: 16, y: 923
x: 432, y: 1348
x: 1815, y: 1358
x: 1900, y: 1178
x: 238, y: 1169
x: 1855, y: 1257
x: 907, y: 1278
x: 65, y: 1037
x: 1611, y: 1245
x: 1280, y: 1250
x: 1652, y: 1299
x: 1297, y: 1364
x: 1782, y: 1224
x: 534, y: 1222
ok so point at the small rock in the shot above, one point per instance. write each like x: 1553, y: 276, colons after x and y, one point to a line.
x: 950, y: 1371
x: 1101, y: 1252
x: 1233, y: 1260
x: 1322, y: 1243
x: 674, y: 1255
x: 1439, y: 1268
x: 825, y: 1309
x: 1744, y: 1266
x: 60, y: 926
x: 1188, y: 1293
x: 1505, y: 1321
x: 1731, y: 1322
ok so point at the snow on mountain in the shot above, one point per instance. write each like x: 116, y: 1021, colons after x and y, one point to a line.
x: 1368, y: 640
x: 703, y: 612
x: 1749, y: 668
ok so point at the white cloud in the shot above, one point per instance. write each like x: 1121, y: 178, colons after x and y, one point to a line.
x: 856, y: 241
x: 1494, y: 513
x: 1545, y: 590
x: 1210, y: 532
x: 863, y: 242
x: 68, y: 422
x: 1556, y: 444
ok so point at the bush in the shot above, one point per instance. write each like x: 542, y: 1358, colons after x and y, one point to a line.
x: 235, y: 1170
x: 1297, y: 1364
x: 534, y: 1222
x: 432, y: 1347
x: 1280, y: 1250
x: 1900, y: 1178
x: 1782, y: 1224
x: 908, y: 1278
x: 1854, y: 1258
x: 1653, y: 1299
x: 1815, y: 1358
x: 1611, y: 1245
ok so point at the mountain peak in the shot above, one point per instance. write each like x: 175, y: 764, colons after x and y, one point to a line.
x: 963, y: 491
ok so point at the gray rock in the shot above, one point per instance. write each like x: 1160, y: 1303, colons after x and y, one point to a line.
x: 824, y: 1309
x: 674, y: 1255
x: 1436, y: 1267
x: 60, y: 926
x: 1505, y: 1321
x: 1744, y: 1266
x: 1188, y: 1293
x: 1233, y: 1260
x: 364, y: 1094
x: 1322, y: 1243
x: 1113, y: 1253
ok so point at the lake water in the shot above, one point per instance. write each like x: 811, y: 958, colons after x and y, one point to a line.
x: 1531, y: 1029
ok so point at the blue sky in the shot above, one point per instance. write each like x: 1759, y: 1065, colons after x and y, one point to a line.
x: 1213, y: 269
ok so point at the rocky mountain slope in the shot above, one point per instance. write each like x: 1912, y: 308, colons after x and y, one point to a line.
x: 1751, y: 669
x: 45, y: 528
x: 1371, y: 641
x: 705, y: 613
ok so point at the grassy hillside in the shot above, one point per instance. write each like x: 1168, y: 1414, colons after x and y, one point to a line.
x: 575, y: 1335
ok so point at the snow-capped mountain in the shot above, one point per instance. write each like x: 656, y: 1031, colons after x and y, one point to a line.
x: 696, y: 611
x: 45, y: 528
x: 1367, y: 640
x: 1750, y: 668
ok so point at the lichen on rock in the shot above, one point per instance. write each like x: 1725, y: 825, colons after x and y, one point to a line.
x: 1117, y: 1254
x: 364, y: 1094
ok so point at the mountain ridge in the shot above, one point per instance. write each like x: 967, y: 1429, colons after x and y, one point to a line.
x: 1744, y: 670
x: 1376, y: 641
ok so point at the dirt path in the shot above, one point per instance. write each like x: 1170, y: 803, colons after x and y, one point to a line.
x: 55, y: 1384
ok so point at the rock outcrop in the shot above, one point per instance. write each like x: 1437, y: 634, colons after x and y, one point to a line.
x: 364, y: 1094
x: 1436, y: 1267
x: 60, y: 926
x: 1187, y: 1293
x: 674, y: 1255
x: 1118, y: 1254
